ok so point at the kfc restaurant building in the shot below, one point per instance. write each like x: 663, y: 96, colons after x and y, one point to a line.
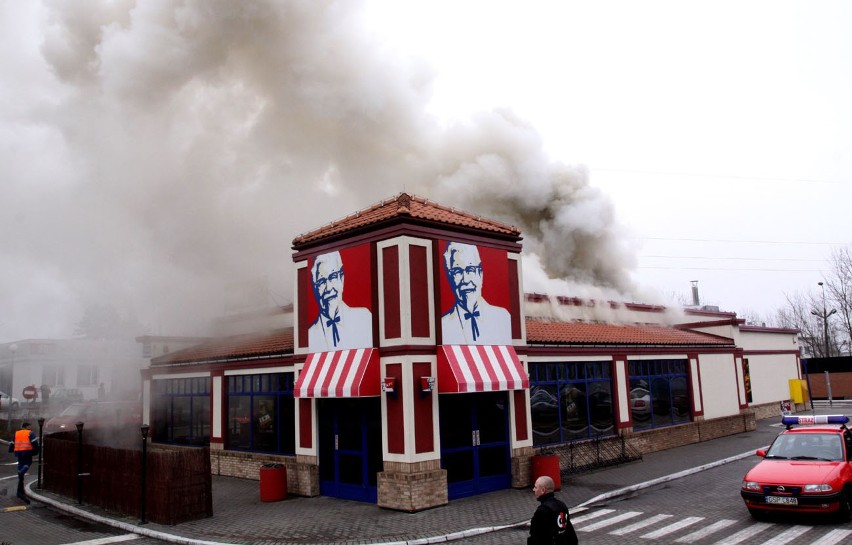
x: 412, y: 376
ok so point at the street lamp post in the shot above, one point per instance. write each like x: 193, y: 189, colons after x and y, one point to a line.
x: 824, y: 317
x: 41, y: 447
x: 144, y: 429
x: 80, y: 463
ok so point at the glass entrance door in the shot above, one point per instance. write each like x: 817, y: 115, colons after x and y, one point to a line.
x: 475, y: 442
x: 350, y: 447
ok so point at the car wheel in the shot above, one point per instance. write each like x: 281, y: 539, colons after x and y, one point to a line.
x: 756, y: 514
x: 845, y: 511
x: 15, y: 406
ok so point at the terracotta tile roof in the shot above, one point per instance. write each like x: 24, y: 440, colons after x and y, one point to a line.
x: 550, y: 332
x: 404, y: 206
x: 278, y: 343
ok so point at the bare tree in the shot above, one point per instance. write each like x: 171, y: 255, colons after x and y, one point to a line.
x: 817, y: 313
x: 799, y: 314
x: 839, y: 296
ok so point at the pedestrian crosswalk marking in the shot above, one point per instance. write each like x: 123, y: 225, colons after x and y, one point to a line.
x: 788, y: 536
x: 610, y: 521
x: 834, y: 536
x: 592, y: 515
x: 107, y: 540
x: 606, y: 518
x: 674, y: 527
x: 744, y: 534
x: 639, y: 525
x: 706, y: 531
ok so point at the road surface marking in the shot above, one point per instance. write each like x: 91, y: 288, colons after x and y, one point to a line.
x: 594, y: 515
x: 788, y: 536
x: 610, y: 521
x: 671, y: 528
x: 744, y: 534
x: 834, y: 536
x: 639, y: 525
x: 106, y: 540
x: 706, y: 531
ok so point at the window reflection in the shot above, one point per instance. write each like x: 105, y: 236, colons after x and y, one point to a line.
x: 570, y: 401
x: 659, y: 393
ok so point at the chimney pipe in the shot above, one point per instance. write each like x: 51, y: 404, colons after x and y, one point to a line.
x: 695, y: 300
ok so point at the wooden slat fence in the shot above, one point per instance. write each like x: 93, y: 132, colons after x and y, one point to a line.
x: 179, y: 482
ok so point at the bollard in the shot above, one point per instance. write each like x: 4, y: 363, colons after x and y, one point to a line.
x: 79, y: 463
x: 41, y: 449
x: 142, y: 501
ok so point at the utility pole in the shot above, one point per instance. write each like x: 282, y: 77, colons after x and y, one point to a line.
x: 824, y: 317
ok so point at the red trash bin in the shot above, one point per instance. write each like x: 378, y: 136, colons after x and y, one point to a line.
x: 547, y: 465
x: 273, y: 482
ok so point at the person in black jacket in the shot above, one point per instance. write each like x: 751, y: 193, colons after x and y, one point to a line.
x: 550, y: 524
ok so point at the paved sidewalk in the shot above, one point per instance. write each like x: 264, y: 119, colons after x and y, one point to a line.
x: 241, y: 518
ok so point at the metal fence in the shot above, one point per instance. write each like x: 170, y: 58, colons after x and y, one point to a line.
x: 599, y: 452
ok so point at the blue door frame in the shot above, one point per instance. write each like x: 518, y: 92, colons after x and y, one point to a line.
x: 350, y: 447
x: 475, y: 443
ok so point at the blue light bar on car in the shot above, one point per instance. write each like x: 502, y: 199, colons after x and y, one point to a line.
x: 820, y: 419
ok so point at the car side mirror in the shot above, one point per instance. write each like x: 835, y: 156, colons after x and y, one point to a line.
x: 760, y: 452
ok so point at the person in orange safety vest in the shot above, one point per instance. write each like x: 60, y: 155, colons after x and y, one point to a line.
x: 26, y: 445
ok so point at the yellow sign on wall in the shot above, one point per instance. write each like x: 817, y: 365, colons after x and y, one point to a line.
x: 799, y: 391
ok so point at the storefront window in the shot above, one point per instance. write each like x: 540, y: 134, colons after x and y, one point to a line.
x: 181, y: 411
x: 659, y: 394
x: 261, y: 413
x: 570, y: 401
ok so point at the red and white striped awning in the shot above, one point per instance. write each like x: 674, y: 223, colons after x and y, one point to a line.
x: 475, y: 368
x: 344, y: 373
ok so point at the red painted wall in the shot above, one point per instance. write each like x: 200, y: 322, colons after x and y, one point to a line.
x: 303, y: 292
x: 390, y: 275
x: 424, y: 441
x: 521, y: 430
x: 514, y: 298
x: 419, y: 289
x: 305, y: 424
x: 396, y: 422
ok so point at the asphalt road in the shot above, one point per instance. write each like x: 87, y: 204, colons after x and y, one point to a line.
x: 704, y: 508
x: 39, y: 525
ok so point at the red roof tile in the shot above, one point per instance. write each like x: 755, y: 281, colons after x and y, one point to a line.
x: 544, y: 331
x: 405, y: 206
x: 278, y: 343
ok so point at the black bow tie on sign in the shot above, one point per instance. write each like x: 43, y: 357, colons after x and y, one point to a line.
x: 335, y: 334
x: 472, y: 316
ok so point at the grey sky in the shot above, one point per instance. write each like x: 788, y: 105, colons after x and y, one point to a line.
x: 152, y: 154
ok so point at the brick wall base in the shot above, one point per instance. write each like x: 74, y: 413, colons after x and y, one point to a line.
x: 522, y: 467
x: 693, y: 432
x: 302, y: 471
x: 412, y: 487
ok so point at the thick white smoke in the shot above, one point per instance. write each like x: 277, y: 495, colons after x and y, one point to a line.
x: 154, y: 152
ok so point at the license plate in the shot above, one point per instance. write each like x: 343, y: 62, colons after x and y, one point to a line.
x: 783, y: 500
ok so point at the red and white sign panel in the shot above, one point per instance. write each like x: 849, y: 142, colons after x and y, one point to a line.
x: 344, y: 373
x: 471, y: 368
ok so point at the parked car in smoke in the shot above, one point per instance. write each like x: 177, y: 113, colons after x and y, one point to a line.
x: 96, y: 415
x: 65, y: 396
x: 7, y: 401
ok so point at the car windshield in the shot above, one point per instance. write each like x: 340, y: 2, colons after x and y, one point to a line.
x: 74, y: 410
x: 807, y: 446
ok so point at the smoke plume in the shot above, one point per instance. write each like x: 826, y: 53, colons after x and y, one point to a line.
x: 154, y: 152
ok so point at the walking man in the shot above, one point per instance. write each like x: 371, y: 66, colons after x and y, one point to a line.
x: 26, y: 445
x: 550, y: 524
